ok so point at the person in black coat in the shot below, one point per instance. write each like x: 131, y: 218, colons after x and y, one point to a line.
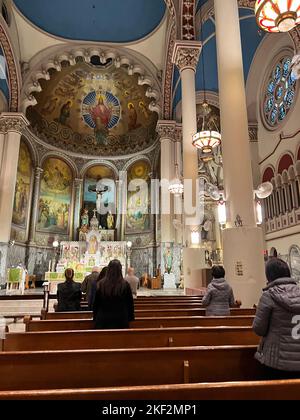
x: 113, y: 305
x: 92, y: 295
x: 69, y: 293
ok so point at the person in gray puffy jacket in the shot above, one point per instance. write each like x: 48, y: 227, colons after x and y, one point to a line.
x: 218, y: 298
x: 279, y: 349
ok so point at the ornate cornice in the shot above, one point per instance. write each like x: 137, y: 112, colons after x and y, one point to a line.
x: 166, y: 129
x: 13, y: 122
x: 13, y: 76
x: 186, y: 54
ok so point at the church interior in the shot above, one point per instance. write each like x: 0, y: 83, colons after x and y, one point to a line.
x: 168, y: 139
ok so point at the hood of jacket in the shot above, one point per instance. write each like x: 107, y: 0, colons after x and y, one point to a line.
x: 286, y: 293
x: 220, y: 284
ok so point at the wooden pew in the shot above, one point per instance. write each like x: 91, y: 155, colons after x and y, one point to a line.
x: 127, y: 367
x: 87, y: 324
x: 138, y: 338
x: 248, y: 390
x: 146, y: 313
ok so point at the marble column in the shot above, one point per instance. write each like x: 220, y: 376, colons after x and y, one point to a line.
x: 78, y: 190
x: 243, y: 246
x: 11, y: 127
x: 35, y: 204
x: 185, y: 57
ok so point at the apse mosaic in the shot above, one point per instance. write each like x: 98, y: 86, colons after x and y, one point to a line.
x: 94, y: 110
x: 138, y: 198
x: 55, y: 197
x: 22, y: 189
x: 280, y: 93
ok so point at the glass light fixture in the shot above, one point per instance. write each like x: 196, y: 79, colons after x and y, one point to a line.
x: 55, y: 244
x: 222, y: 212
x: 129, y: 244
x: 259, y: 213
x: 176, y: 186
x: 277, y: 15
x: 206, y: 140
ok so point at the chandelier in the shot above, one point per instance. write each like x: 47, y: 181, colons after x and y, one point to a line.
x: 277, y: 15
x: 206, y: 140
x: 176, y: 186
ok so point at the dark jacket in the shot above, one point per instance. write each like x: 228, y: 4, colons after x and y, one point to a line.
x: 278, y: 305
x: 113, y: 312
x: 218, y: 298
x: 86, y: 285
x: 68, y: 296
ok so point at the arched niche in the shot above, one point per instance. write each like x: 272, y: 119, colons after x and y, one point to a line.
x: 103, y: 177
x: 55, y: 199
x: 138, y: 197
x: 285, y: 162
x: 21, y: 208
x: 268, y: 174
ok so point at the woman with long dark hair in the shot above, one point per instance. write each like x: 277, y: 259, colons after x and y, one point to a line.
x: 92, y: 295
x: 113, y: 306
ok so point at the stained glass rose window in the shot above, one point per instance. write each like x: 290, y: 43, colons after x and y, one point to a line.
x: 279, y: 93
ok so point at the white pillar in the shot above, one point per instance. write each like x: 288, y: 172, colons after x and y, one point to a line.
x: 11, y: 126
x: 35, y: 204
x: 185, y: 57
x: 167, y: 132
x: 243, y: 246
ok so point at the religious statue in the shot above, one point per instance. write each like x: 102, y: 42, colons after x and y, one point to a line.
x: 110, y: 221
x: 85, y: 218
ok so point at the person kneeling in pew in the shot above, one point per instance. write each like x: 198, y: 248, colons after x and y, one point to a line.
x: 218, y: 298
x: 113, y: 305
x: 277, y: 322
x: 69, y: 293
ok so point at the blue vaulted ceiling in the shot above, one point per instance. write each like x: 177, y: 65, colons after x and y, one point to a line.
x: 95, y: 20
x: 251, y: 38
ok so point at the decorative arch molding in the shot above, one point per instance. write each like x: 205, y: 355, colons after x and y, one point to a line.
x: 133, y: 61
x: 13, y: 68
x: 99, y: 162
x: 62, y: 156
x: 32, y: 150
x: 137, y: 159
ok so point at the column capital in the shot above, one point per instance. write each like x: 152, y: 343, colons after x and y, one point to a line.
x: 78, y: 182
x: 166, y: 129
x: 186, y: 54
x: 13, y: 122
x: 178, y: 136
x: 38, y: 171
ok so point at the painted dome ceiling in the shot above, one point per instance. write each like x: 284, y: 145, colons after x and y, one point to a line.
x: 93, y: 110
x: 95, y: 20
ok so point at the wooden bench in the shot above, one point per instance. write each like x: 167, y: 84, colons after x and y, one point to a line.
x: 248, y: 390
x: 87, y: 324
x: 127, y: 367
x: 138, y: 338
x: 146, y: 313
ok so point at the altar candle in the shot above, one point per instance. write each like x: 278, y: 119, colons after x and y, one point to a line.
x: 49, y: 269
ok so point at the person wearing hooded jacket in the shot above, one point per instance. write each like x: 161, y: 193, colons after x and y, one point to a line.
x: 279, y: 349
x: 219, y: 297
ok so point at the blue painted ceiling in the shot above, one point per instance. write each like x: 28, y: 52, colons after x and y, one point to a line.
x: 95, y: 20
x: 251, y: 38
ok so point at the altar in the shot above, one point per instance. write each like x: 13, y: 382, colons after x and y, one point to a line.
x: 82, y: 256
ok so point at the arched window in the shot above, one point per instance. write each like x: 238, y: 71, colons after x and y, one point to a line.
x: 280, y: 92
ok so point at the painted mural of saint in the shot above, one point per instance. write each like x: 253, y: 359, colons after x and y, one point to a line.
x: 65, y: 113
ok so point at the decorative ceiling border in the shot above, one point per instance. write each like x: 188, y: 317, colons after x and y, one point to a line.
x: 120, y: 57
x: 14, y: 79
